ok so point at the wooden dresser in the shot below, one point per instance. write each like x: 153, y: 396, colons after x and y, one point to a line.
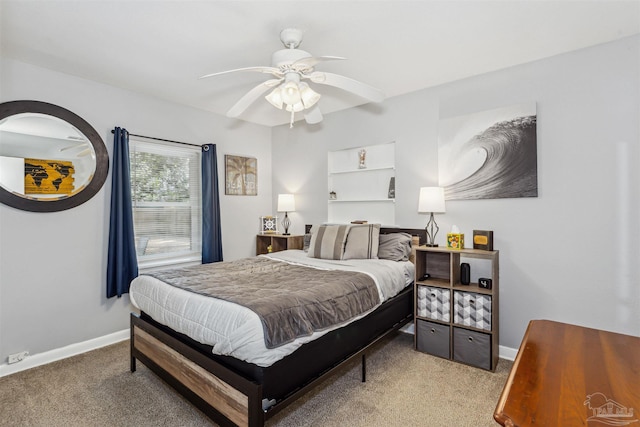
x: 567, y: 375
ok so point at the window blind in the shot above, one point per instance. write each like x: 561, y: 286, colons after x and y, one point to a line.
x: 166, y: 199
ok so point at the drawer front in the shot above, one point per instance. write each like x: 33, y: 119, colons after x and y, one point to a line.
x: 472, y: 348
x: 433, y: 338
x: 471, y: 309
x: 434, y: 303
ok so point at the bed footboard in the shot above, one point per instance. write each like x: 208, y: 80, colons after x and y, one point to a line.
x: 224, y: 396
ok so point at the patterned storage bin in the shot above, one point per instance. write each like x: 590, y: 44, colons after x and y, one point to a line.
x: 472, y: 309
x: 434, y: 303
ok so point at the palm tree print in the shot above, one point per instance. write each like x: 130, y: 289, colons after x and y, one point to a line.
x: 241, y: 175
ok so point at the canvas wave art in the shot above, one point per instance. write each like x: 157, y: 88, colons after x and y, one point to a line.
x: 500, y: 161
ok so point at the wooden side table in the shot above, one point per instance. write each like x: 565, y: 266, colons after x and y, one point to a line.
x: 567, y: 375
x: 278, y: 242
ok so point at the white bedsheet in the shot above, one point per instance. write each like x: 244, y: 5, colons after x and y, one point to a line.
x: 236, y: 331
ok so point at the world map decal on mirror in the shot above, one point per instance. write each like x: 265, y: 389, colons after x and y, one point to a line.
x: 48, y: 176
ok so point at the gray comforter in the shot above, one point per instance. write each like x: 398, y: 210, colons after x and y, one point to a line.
x: 291, y: 300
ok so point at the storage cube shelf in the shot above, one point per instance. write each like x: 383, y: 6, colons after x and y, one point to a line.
x: 452, y: 320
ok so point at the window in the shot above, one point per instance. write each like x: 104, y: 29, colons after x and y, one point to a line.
x: 166, y: 199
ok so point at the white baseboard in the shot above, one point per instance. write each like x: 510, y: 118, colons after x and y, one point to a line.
x: 506, y: 353
x: 32, y: 361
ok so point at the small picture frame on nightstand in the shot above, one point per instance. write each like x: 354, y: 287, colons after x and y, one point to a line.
x: 483, y: 240
x: 268, y: 224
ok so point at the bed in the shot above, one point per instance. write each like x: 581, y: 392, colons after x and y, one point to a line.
x: 246, y: 387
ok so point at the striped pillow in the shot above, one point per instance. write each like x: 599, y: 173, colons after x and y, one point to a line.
x: 362, y: 242
x: 328, y: 242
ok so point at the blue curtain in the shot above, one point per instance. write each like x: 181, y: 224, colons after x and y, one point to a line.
x: 211, y: 229
x: 122, y: 263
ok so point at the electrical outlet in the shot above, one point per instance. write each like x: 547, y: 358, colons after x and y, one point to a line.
x: 17, y: 357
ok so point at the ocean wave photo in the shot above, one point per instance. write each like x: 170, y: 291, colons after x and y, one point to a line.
x: 498, y: 162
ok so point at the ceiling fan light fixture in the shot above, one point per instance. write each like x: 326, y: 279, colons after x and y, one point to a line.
x: 289, y: 67
x: 290, y: 93
x: 308, y: 96
x: 275, y: 98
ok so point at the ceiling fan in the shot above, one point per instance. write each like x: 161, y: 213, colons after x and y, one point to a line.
x: 289, y: 90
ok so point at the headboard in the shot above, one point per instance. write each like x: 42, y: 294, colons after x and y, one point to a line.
x: 421, y: 233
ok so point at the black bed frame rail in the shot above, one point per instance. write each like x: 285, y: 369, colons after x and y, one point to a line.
x: 252, y: 390
x: 289, y: 399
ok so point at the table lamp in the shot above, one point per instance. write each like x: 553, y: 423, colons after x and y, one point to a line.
x: 431, y: 201
x: 286, y: 204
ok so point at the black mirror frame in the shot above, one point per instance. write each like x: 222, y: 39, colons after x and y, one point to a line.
x: 11, y: 108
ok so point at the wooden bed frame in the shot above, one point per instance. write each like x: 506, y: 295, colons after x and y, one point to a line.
x: 232, y: 392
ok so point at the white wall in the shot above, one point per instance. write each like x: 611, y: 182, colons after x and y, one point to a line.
x: 570, y: 254
x: 52, y: 265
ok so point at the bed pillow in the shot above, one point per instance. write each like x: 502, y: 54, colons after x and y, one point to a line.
x: 328, y: 242
x: 395, y: 246
x: 362, y: 242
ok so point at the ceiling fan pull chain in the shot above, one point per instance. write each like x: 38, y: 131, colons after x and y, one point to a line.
x: 291, y: 122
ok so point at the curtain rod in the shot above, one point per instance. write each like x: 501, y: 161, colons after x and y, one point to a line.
x: 164, y: 140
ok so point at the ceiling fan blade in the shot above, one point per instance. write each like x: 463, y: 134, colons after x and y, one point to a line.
x: 313, y: 115
x: 266, y: 70
x: 251, y: 96
x: 314, y: 60
x: 348, y: 84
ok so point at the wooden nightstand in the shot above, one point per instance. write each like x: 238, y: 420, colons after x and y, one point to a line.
x: 278, y: 242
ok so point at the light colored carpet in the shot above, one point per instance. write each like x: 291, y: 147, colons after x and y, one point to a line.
x: 403, y: 388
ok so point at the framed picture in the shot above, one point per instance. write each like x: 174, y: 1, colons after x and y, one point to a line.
x: 489, y: 154
x: 240, y: 176
x: 269, y: 224
x: 483, y: 239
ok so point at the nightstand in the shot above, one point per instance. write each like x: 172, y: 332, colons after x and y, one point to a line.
x: 278, y: 242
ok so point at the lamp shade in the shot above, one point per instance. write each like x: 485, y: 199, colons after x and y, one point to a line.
x: 275, y: 98
x: 308, y: 96
x: 286, y: 203
x: 290, y: 93
x: 431, y: 200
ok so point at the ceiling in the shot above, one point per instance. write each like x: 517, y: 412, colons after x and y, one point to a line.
x: 160, y: 48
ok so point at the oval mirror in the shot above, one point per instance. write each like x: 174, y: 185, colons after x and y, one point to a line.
x: 50, y: 158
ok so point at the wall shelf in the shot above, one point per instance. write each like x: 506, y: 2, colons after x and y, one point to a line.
x: 360, y: 200
x: 362, y: 170
x: 362, y: 193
